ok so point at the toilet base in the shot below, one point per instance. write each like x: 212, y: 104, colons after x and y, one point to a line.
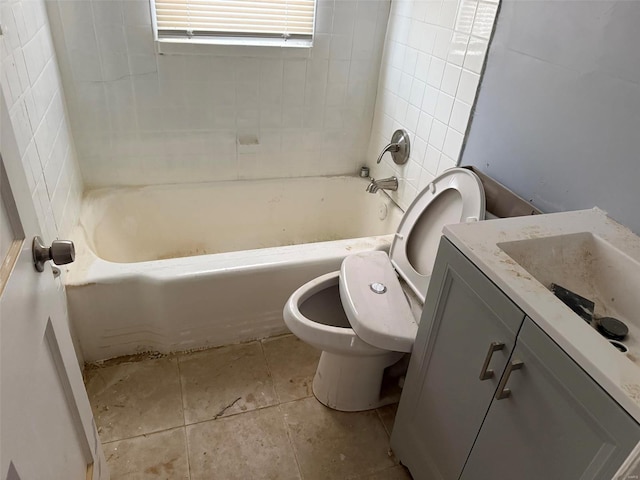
x: 352, y: 383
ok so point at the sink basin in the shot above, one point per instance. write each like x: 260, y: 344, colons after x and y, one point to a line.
x: 587, y: 265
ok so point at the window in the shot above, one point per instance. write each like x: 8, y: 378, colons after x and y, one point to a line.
x: 262, y: 22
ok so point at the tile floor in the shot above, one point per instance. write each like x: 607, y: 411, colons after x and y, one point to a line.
x: 237, y: 412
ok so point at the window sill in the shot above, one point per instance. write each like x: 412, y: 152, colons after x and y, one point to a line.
x: 233, y: 46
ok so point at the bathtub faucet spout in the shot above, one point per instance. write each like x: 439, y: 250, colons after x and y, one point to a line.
x: 390, y: 183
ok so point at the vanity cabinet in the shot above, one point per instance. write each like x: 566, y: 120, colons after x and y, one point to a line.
x: 468, y: 328
x: 557, y: 424
x: 538, y: 416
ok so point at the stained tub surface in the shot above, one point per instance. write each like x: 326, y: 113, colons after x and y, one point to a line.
x: 173, y: 268
x: 152, y: 223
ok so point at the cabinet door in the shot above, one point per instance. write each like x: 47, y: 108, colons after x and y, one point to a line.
x: 557, y: 423
x: 444, y: 401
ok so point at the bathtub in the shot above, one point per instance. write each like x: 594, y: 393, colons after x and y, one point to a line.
x: 180, y: 267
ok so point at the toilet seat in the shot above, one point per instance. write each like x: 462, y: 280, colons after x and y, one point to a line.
x: 457, y: 195
x: 381, y: 318
x: 384, y: 319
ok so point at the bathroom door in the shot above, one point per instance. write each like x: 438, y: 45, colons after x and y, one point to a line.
x: 46, y: 425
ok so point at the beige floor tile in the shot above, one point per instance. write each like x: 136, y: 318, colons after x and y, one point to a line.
x: 224, y: 381
x: 135, y: 398
x: 293, y: 364
x: 388, y: 416
x: 252, y: 445
x: 336, y: 445
x: 161, y: 455
x: 394, y: 473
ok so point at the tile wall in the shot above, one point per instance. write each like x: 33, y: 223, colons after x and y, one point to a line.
x: 433, y: 57
x: 32, y: 89
x: 216, y: 112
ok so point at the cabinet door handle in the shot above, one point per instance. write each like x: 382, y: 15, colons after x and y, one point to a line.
x: 503, y: 391
x: 485, y: 373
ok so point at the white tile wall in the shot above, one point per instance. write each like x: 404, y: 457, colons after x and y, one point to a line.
x: 433, y: 56
x: 32, y: 89
x: 216, y: 113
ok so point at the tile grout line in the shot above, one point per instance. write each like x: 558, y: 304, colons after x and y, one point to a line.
x: 290, y: 439
x: 269, y: 372
x: 296, y: 399
x: 231, y: 415
x: 390, y: 452
x: 186, y: 445
x: 184, y: 418
x: 384, y: 427
x: 264, y: 407
x: 282, y: 414
x: 142, y: 435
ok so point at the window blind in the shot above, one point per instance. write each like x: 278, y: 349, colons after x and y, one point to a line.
x: 283, y: 19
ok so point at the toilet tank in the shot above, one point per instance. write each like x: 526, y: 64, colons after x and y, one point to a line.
x: 500, y: 201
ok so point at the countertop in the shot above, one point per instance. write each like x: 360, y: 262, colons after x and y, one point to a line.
x: 616, y: 372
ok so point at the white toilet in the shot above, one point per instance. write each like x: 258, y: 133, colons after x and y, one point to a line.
x: 364, y: 317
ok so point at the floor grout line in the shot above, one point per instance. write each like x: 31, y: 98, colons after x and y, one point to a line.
x: 186, y: 445
x: 291, y: 445
x: 184, y: 418
x: 236, y: 414
x: 382, y: 422
x: 143, y: 435
x: 269, y: 372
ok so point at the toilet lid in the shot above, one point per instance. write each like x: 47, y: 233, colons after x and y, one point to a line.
x: 455, y: 196
x: 374, y: 302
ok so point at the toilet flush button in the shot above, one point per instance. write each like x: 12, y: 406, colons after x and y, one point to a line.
x: 377, y: 288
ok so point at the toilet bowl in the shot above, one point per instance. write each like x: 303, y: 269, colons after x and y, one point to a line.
x: 361, y: 317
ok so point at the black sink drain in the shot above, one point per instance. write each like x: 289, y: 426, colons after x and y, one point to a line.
x: 612, y: 328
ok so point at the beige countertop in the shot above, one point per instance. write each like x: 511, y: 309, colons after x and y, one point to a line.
x: 618, y: 373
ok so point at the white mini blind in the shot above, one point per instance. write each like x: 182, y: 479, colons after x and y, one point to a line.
x: 235, y: 18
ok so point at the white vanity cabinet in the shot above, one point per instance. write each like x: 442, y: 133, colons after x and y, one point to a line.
x: 537, y: 416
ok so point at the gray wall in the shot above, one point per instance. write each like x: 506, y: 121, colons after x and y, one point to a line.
x: 558, y: 114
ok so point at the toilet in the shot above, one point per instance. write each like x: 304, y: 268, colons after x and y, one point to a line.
x: 364, y: 317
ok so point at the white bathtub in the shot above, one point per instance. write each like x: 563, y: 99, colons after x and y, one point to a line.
x: 173, y: 268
